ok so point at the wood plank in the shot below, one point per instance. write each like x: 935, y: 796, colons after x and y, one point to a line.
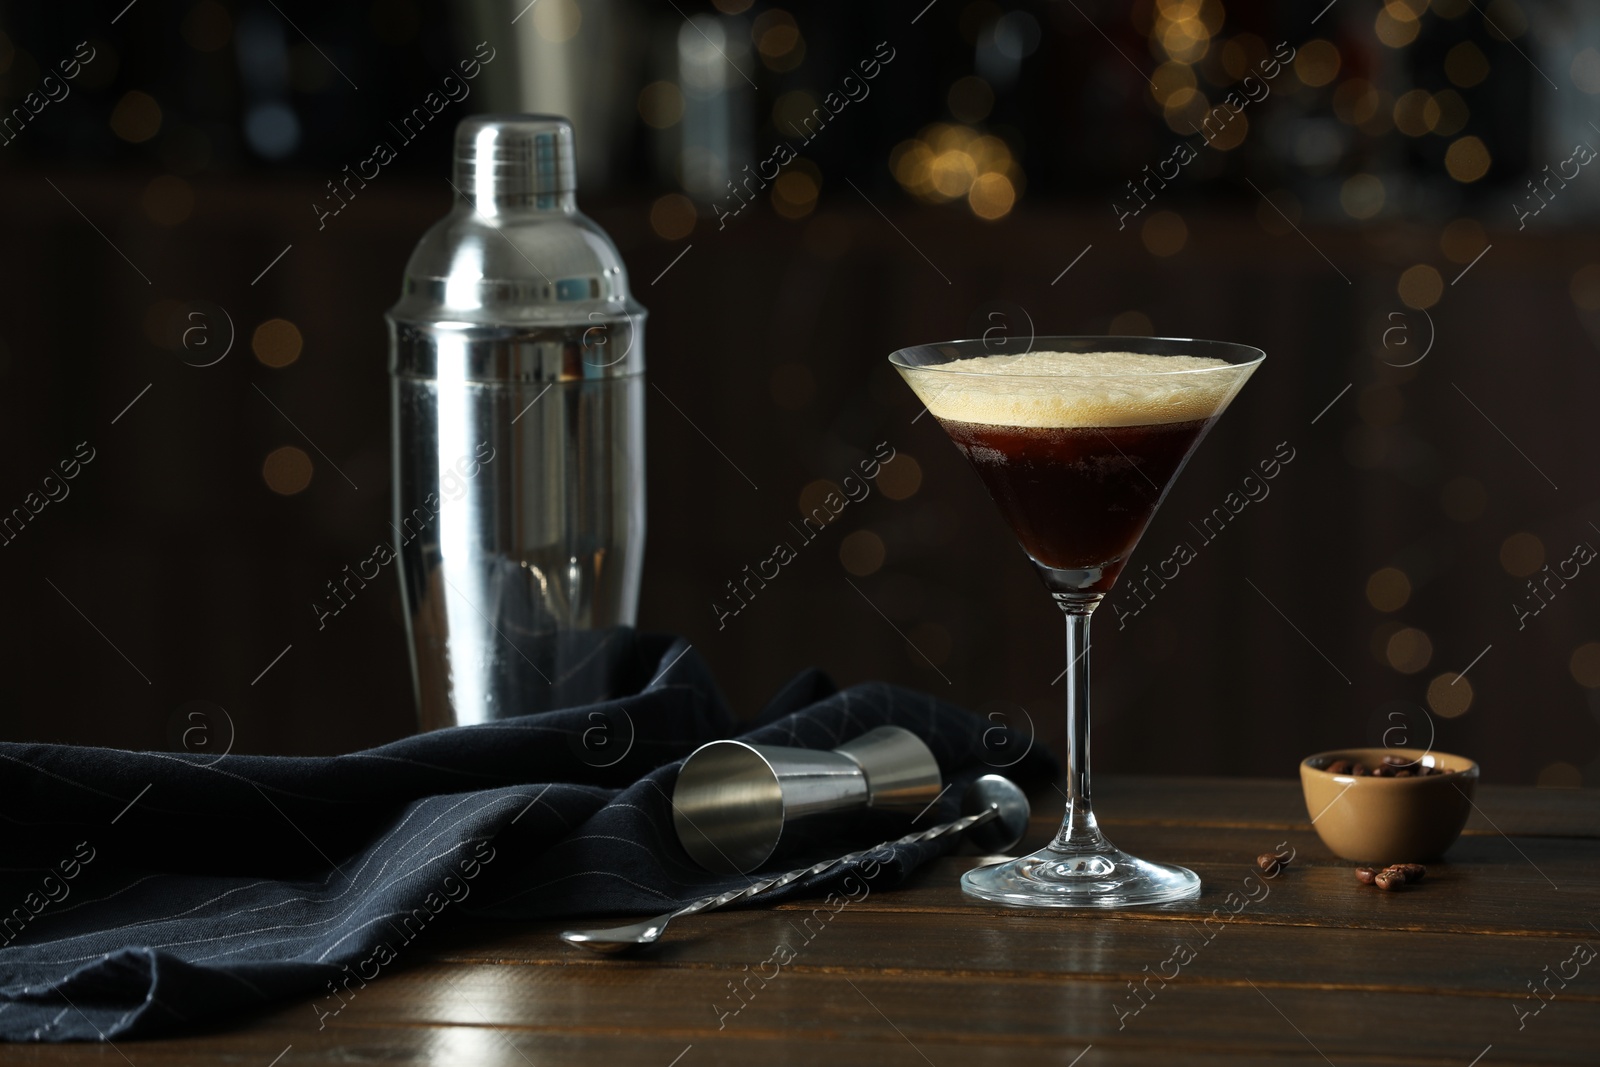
x: 1547, y: 886
x: 1319, y: 967
x: 483, y: 1046
x: 1271, y: 803
x: 1032, y: 944
x: 696, y: 1006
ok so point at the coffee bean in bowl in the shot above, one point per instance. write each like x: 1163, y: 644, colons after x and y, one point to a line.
x: 1381, y: 806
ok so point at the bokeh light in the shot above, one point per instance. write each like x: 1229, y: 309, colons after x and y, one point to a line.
x: 557, y: 21
x: 660, y: 104
x: 1585, y: 70
x: 991, y: 196
x: 1183, y: 28
x: 1466, y: 65
x: 286, y: 470
x: 207, y: 27
x: 1356, y: 101
x: 1467, y: 159
x: 1462, y: 239
x: 795, y: 192
x: 1559, y: 775
x: 1585, y: 664
x: 1415, y: 113
x: 862, y: 553
x: 1172, y: 84
x: 1450, y: 695
x: 778, y: 40
x: 971, y: 99
x: 1521, y: 554
x: 1164, y: 233
x: 673, y: 216
x: 791, y: 110
x: 277, y: 343
x: 136, y: 117
x: 1396, y: 25
x: 1131, y: 324
x: 1222, y: 138
x: 1240, y: 54
x: 1316, y: 63
x: 1388, y: 589
x: 946, y: 162
x: 901, y: 477
x: 1409, y: 650
x: 1420, y: 286
x: 1452, y: 113
x: 164, y: 323
x: 1362, y: 195
x: 813, y: 495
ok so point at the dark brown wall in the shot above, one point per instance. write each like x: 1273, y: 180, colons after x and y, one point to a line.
x: 174, y: 548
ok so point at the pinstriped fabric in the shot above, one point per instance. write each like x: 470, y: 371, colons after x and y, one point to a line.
x: 263, y: 879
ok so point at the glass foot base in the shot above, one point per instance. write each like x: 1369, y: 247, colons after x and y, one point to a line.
x: 1104, y: 878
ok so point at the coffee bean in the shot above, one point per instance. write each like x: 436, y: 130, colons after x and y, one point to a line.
x: 1405, y: 773
x: 1396, y: 761
x: 1383, y: 770
x: 1414, y: 872
x: 1389, y: 879
x: 1340, y: 766
x: 1360, y: 770
x: 1269, y: 863
x: 1366, y: 875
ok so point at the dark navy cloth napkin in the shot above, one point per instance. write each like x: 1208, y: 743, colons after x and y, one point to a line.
x: 146, y: 892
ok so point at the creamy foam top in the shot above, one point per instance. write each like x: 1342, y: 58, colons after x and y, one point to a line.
x: 1075, y: 389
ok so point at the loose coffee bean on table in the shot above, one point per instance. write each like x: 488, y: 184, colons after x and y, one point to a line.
x: 1396, y: 876
x: 1414, y: 872
x: 1269, y: 863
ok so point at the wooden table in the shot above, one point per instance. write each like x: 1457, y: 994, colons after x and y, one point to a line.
x: 1319, y: 970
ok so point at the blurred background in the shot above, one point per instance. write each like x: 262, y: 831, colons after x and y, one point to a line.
x: 1393, y: 199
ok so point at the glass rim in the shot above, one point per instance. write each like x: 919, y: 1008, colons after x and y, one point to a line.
x: 898, y: 357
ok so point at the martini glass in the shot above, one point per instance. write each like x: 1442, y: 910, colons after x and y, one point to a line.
x: 1078, y: 440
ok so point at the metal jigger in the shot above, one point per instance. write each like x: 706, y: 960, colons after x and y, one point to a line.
x: 734, y: 800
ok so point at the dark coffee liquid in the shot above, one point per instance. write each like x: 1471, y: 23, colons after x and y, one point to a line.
x: 1078, y: 498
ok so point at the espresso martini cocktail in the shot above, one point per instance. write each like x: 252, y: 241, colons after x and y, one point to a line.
x: 1078, y: 441
x: 1077, y: 449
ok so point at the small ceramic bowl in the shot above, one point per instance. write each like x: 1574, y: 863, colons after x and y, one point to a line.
x: 1388, y: 820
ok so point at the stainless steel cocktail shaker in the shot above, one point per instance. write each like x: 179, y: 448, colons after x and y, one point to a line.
x: 517, y: 357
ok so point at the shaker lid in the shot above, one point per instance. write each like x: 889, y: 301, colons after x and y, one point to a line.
x: 514, y: 160
x: 515, y: 283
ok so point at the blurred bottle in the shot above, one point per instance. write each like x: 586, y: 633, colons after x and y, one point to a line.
x: 517, y: 357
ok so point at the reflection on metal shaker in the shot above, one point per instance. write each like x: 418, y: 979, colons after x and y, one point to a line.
x: 517, y: 362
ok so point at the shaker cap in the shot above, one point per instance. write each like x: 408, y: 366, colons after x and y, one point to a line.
x: 514, y: 160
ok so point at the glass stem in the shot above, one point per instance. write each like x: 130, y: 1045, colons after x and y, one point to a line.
x: 1079, y: 831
